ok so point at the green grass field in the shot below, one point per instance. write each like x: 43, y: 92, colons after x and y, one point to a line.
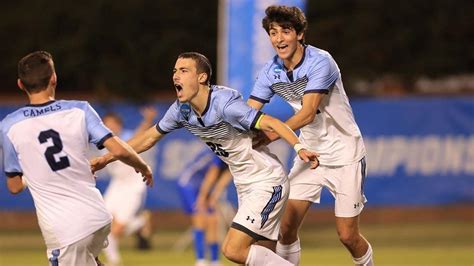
x: 394, y: 244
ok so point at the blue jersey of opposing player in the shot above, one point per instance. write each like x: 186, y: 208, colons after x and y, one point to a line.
x: 191, y: 179
x: 225, y: 126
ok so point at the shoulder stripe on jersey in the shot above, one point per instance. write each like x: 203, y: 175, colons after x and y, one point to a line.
x: 163, y: 132
x: 100, y: 144
x: 324, y: 91
x: 291, y: 91
x: 258, y: 99
x: 13, y: 174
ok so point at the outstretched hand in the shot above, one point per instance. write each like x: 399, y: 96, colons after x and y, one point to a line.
x: 97, y: 164
x: 147, y: 175
x: 309, y: 157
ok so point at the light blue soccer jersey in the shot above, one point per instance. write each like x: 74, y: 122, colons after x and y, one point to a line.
x: 47, y: 144
x: 334, y: 133
x: 225, y: 126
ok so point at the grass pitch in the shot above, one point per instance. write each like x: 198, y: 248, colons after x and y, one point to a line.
x: 394, y: 244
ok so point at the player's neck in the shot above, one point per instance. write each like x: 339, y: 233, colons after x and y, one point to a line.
x: 41, y: 97
x: 291, y: 62
x: 199, y: 102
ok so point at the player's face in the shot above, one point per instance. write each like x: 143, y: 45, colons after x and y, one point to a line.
x: 285, y: 41
x: 185, y: 79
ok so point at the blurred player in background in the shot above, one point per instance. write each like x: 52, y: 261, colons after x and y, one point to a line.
x: 45, y: 144
x: 309, y: 79
x: 201, y: 186
x: 125, y: 195
x: 221, y: 119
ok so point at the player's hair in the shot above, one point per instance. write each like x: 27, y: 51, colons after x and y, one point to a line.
x: 286, y: 17
x: 114, y: 116
x: 35, y: 71
x: 202, y: 64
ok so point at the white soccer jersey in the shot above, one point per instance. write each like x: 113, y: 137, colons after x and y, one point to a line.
x: 47, y: 144
x: 225, y: 126
x: 334, y: 133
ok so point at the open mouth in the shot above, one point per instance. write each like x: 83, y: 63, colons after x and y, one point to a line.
x: 281, y: 47
x: 178, y: 87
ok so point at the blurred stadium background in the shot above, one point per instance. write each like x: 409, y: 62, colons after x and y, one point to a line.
x: 408, y: 67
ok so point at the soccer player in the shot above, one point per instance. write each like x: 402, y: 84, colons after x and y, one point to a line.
x: 125, y: 196
x: 201, y: 186
x: 45, y: 143
x: 221, y: 118
x: 309, y: 79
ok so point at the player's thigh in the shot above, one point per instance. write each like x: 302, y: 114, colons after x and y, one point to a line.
x: 306, y: 183
x: 347, y: 226
x: 348, y: 189
x: 82, y: 252
x: 261, y: 209
x: 295, y: 212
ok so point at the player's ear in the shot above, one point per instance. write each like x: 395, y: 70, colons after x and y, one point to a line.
x: 53, y: 80
x: 300, y: 36
x: 20, y: 84
x: 202, y: 78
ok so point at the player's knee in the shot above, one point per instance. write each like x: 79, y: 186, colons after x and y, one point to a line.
x: 348, y: 238
x: 288, y: 233
x: 233, y: 254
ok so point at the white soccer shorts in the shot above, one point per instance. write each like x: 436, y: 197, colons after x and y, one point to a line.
x: 346, y: 184
x: 82, y: 252
x: 260, y: 210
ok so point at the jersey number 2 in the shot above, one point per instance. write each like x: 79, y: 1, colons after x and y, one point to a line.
x: 52, y: 150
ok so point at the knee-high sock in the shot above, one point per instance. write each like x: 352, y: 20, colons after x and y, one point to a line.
x: 365, y: 260
x: 262, y: 256
x: 214, y: 251
x: 112, y: 250
x: 291, y: 252
x: 199, y: 244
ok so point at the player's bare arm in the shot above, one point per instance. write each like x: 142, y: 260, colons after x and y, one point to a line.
x: 123, y: 152
x: 255, y: 104
x: 139, y: 143
x: 15, y: 184
x: 308, y: 111
x: 224, y: 179
x: 300, y: 119
x: 269, y: 123
x: 209, y: 181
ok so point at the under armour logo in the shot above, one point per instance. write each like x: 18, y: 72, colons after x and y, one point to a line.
x: 356, y: 205
x: 250, y: 219
x: 276, y: 76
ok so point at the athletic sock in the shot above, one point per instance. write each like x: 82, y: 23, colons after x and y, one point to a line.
x: 291, y: 252
x: 199, y: 244
x: 261, y: 256
x: 112, y: 251
x: 134, y: 225
x: 365, y: 260
x: 214, y: 251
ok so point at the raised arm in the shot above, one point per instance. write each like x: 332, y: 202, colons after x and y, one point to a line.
x: 149, y: 114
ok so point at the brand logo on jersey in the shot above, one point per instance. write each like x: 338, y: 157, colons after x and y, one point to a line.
x: 185, y: 110
x: 277, y: 70
x: 356, y: 205
x: 250, y: 219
